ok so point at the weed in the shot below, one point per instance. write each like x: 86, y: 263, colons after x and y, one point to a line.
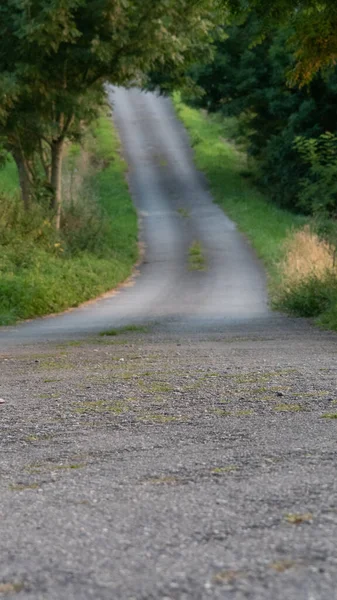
x: 71, y: 466
x: 183, y: 212
x: 38, y: 438
x: 298, y: 519
x: 262, y: 390
x: 159, y: 418
x: 329, y: 416
x: 222, y: 470
x: 100, y: 406
x: 288, y: 407
x: 314, y: 394
x: 196, y: 258
x: 160, y: 387
x: 38, y: 468
x: 11, y: 588
x: 20, y: 487
x: 261, y: 376
x: 125, y: 329
x: 283, y: 565
x: 222, y: 413
x: 229, y: 576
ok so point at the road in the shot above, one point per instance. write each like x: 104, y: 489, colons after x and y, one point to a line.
x: 176, y: 211
x: 192, y: 457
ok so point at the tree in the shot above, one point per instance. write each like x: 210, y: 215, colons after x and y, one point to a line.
x: 56, y: 55
x: 314, y: 39
x: 279, y: 123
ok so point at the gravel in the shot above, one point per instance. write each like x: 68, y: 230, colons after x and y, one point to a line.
x: 177, y: 472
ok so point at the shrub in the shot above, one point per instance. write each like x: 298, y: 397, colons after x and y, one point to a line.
x: 308, y: 285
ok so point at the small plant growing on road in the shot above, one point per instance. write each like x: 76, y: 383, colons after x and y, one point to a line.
x: 183, y: 212
x: 125, y: 329
x: 196, y: 257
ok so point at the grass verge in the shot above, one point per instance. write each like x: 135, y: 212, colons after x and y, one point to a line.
x: 280, y: 238
x: 42, y: 272
x: 265, y: 225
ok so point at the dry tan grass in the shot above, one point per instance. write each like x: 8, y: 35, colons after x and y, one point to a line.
x: 306, y: 255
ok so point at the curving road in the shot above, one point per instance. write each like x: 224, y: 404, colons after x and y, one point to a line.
x: 175, y: 211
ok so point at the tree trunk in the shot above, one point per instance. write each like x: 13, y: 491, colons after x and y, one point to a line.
x: 56, y: 179
x: 23, y: 178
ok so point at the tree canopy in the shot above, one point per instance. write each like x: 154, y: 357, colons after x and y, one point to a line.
x: 314, y: 38
x: 56, y: 56
x: 289, y: 130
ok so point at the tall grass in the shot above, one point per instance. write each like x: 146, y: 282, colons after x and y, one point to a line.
x: 43, y: 272
x: 308, y: 283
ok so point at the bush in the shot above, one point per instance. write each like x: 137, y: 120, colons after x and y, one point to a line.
x: 318, y: 188
x: 308, y: 286
x: 249, y: 81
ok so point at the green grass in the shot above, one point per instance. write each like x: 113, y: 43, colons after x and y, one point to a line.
x: 43, y: 273
x: 329, y: 416
x: 265, y: 225
x: 196, y: 257
x: 9, y: 180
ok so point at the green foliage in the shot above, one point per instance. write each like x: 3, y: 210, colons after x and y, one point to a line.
x: 310, y: 297
x: 56, y: 57
x: 42, y: 271
x: 314, y: 40
x: 9, y: 181
x: 318, y: 193
x: 248, y: 81
x: 196, y: 257
x: 265, y: 225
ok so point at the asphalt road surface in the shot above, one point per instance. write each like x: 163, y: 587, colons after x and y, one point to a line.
x: 191, y: 457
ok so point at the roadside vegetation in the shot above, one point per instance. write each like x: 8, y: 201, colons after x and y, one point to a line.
x: 43, y: 270
x: 301, y: 264
x: 67, y: 226
x: 264, y: 131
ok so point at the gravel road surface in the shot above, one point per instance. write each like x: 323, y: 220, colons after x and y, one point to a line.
x: 191, y: 454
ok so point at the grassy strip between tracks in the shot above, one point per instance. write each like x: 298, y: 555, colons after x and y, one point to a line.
x: 43, y: 272
x: 286, y: 243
